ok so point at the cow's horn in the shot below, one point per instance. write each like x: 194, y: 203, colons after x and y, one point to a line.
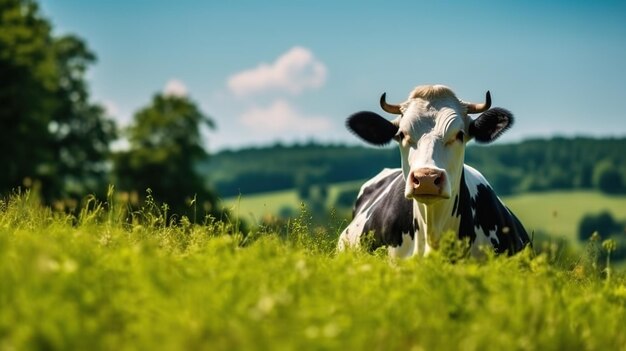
x: 395, y: 109
x: 478, y: 108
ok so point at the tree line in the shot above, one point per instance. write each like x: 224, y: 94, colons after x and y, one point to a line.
x: 56, y: 140
x: 532, y: 165
x: 558, y: 163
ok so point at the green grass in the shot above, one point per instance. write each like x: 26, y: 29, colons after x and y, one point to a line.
x: 258, y: 206
x: 559, y: 213
x: 93, y: 281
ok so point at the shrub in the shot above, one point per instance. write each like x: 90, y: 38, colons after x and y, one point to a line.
x: 603, y: 223
x: 607, y: 178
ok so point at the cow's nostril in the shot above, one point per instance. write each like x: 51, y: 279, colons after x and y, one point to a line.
x: 437, y: 180
x: 416, y: 180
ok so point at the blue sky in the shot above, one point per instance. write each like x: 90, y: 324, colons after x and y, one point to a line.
x: 294, y: 70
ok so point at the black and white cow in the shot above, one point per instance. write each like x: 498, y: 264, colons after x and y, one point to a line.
x: 407, y: 209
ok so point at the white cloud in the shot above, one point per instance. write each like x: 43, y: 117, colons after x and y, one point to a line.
x: 111, y: 108
x: 293, y: 72
x: 175, y: 87
x: 280, y: 116
x: 120, y: 145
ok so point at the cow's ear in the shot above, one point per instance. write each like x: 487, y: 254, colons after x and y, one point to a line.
x: 372, y: 127
x: 490, y: 125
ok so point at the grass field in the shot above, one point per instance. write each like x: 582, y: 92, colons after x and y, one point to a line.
x: 557, y: 213
x: 255, y: 207
x: 94, y: 281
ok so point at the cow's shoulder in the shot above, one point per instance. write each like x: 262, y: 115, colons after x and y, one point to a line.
x: 384, y: 210
x: 375, y: 187
x: 484, y: 216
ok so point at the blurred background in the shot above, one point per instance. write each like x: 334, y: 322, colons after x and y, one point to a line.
x: 239, y: 107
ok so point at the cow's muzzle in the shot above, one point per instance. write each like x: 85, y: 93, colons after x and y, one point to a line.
x: 427, y: 185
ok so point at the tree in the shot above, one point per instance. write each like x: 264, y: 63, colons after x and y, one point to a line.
x: 165, y: 147
x: 28, y: 76
x: 603, y: 223
x: 81, y: 133
x: 49, y: 130
x: 607, y: 178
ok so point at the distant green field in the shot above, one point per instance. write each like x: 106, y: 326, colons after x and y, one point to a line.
x: 254, y: 207
x: 557, y: 213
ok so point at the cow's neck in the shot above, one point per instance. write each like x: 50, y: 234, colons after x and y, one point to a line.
x: 433, y: 221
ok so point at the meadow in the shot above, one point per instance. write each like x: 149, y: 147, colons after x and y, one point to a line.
x: 555, y: 212
x: 255, y: 207
x: 107, y: 279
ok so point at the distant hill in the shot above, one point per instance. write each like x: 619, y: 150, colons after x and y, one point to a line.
x: 255, y: 170
x: 538, y: 164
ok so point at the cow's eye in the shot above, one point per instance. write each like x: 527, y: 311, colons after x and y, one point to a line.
x: 399, y: 137
x: 460, y: 136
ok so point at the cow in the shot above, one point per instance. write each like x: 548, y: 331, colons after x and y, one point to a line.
x: 408, y: 209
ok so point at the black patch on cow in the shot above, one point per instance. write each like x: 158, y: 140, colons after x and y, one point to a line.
x: 490, y: 125
x: 372, y: 127
x: 518, y: 231
x: 393, y: 215
x: 390, y: 216
x: 371, y: 192
x: 456, y: 201
x: 492, y: 214
x: 464, y: 210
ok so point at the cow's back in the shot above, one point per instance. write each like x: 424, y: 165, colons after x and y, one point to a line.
x: 382, y: 210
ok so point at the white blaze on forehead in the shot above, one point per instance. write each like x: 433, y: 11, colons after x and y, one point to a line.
x: 438, y: 117
x: 427, y: 128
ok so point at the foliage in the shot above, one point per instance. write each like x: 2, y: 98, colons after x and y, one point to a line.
x: 81, y: 132
x: 602, y: 223
x: 165, y: 145
x: 531, y: 165
x: 281, y: 167
x: 603, y: 226
x: 28, y: 76
x: 105, y: 284
x: 607, y: 178
x: 346, y: 198
x: 49, y: 130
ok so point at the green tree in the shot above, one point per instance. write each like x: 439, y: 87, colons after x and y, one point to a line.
x: 165, y: 147
x: 607, y: 178
x: 28, y: 76
x: 81, y: 132
x: 49, y: 130
x: 603, y: 223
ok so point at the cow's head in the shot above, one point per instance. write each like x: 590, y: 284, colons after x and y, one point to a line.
x: 432, y: 129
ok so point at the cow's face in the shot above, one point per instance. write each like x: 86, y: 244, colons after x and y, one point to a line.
x: 431, y: 131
